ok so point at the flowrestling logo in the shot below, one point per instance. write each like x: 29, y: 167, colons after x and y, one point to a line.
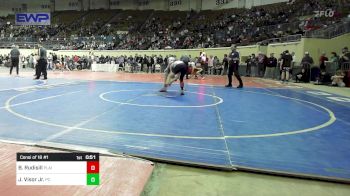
x: 329, y: 13
x: 33, y: 19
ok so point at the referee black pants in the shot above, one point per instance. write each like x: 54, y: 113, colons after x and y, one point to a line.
x: 14, y: 63
x: 41, y: 69
x: 233, y: 70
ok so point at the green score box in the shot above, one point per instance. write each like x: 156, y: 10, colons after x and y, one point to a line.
x: 93, y: 179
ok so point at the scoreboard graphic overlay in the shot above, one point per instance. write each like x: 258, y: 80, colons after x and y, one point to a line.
x: 57, y: 169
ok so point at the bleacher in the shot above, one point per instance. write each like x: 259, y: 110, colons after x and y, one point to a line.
x: 126, y: 19
x: 266, y: 22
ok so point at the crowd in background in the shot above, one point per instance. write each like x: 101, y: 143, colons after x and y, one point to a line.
x: 183, y: 30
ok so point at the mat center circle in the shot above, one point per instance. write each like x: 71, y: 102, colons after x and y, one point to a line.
x: 170, y: 99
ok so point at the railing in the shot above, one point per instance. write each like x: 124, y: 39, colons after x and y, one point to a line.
x: 271, y: 28
x: 331, y: 31
x: 63, y: 39
x: 18, y: 39
x: 345, y: 66
x: 289, y: 38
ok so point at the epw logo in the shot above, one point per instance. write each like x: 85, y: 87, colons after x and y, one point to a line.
x: 33, y: 19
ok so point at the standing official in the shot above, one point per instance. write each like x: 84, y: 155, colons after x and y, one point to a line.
x: 233, y: 67
x: 14, y: 58
x: 42, y: 63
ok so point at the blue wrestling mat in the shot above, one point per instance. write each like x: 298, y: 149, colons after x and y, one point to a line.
x: 285, y: 131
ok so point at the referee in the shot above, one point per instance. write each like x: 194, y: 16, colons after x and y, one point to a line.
x: 233, y: 67
x: 42, y: 63
x: 14, y: 58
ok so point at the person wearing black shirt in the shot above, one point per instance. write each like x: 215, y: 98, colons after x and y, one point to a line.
x: 139, y: 60
x: 14, y: 59
x: 175, y: 70
x: 54, y: 58
x: 304, y: 75
x: 345, y: 58
x: 286, y: 66
x: 165, y: 63
x: 42, y: 64
x: 225, y: 64
x: 186, y: 59
x: 145, y: 63
x: 271, y: 67
x: 248, y: 70
x: 151, y: 64
x: 233, y: 68
x: 160, y: 61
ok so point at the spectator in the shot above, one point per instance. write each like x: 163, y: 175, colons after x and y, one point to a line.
x: 294, y: 59
x: 286, y: 66
x: 225, y: 64
x: 345, y: 58
x: 337, y: 79
x: 211, y: 65
x: 322, y: 74
x: 31, y: 61
x: 23, y: 61
x: 204, y: 63
x: 306, y: 63
x: 217, y: 66
x: 160, y: 61
x: 14, y: 59
x: 54, y: 59
x: 50, y: 61
x: 323, y: 60
x: 335, y: 60
x: 271, y: 67
x: 262, y: 59
x: 254, y: 63
x: 248, y: 69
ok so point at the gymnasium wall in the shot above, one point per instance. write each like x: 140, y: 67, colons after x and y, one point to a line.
x: 251, y: 3
x: 316, y: 46
x: 63, y: 5
x: 127, y: 5
x: 226, y: 4
x: 277, y: 49
x: 24, y: 52
x: 6, y: 6
x: 153, y: 4
x: 98, y: 4
x: 222, y: 4
x: 184, y: 5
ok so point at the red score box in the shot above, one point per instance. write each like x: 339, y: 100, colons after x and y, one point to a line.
x: 93, y: 167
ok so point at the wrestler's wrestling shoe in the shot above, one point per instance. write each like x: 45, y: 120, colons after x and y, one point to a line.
x: 162, y: 89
